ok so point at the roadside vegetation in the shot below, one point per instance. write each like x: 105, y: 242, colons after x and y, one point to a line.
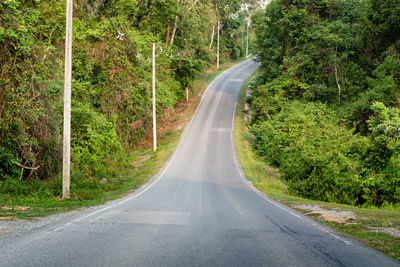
x: 111, y: 118
x: 126, y: 172
x: 323, y: 114
x: 325, y: 106
x: 376, y: 227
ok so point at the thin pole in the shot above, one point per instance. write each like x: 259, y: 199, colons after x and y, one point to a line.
x: 247, y: 41
x: 67, y: 103
x: 154, y: 99
x: 218, y: 48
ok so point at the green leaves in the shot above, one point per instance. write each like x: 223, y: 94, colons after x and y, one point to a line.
x: 344, y: 53
x: 94, y: 139
x: 270, y: 98
x: 111, y: 77
x: 2, y: 32
x: 314, y: 152
x: 385, y: 127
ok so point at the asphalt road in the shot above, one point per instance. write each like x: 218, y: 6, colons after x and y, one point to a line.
x: 199, y: 211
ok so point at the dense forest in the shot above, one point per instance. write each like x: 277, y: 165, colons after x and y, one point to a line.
x: 325, y: 106
x: 111, y: 78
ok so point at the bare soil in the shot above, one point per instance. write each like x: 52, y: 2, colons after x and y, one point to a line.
x: 335, y: 215
x: 17, y: 208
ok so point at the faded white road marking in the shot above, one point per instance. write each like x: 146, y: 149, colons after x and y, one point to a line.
x: 221, y: 130
x: 160, y: 217
x: 145, y: 217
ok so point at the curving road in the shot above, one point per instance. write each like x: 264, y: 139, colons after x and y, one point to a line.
x: 199, y: 211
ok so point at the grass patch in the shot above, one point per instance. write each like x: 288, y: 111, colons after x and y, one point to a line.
x: 259, y: 173
x: 373, y: 226
x: 125, y: 174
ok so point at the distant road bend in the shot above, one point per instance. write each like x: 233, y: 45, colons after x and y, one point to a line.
x: 199, y: 211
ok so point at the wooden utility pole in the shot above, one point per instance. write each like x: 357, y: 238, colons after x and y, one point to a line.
x: 218, y: 48
x: 154, y: 100
x: 67, y: 103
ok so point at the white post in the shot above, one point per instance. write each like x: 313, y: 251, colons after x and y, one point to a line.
x: 247, y: 41
x: 218, y: 48
x: 154, y: 99
x: 67, y: 103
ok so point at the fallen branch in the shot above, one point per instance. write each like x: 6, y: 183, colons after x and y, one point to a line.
x: 28, y: 168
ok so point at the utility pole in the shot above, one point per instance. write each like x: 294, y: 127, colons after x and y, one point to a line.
x: 154, y: 100
x: 67, y: 103
x: 247, y: 41
x: 218, y: 48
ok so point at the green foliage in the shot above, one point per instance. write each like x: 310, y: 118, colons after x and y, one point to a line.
x: 315, y: 153
x: 7, y: 166
x: 94, y: 140
x: 112, y: 75
x: 382, y: 27
x: 270, y: 98
x: 385, y: 130
x: 186, y: 70
x: 344, y: 54
x: 320, y: 159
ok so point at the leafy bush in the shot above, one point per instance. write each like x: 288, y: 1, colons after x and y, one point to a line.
x: 321, y: 159
x: 94, y: 140
x: 7, y: 166
x: 270, y: 98
x: 382, y: 158
x: 316, y: 155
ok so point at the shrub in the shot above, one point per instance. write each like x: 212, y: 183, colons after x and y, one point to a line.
x: 316, y: 155
x: 7, y: 166
x: 321, y: 159
x: 94, y: 140
x: 270, y: 98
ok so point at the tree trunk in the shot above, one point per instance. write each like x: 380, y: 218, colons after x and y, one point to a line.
x: 174, y: 30
x: 212, y: 37
x: 177, y: 18
x: 337, y: 82
x: 175, y: 26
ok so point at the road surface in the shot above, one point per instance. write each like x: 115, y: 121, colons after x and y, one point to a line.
x: 199, y: 211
